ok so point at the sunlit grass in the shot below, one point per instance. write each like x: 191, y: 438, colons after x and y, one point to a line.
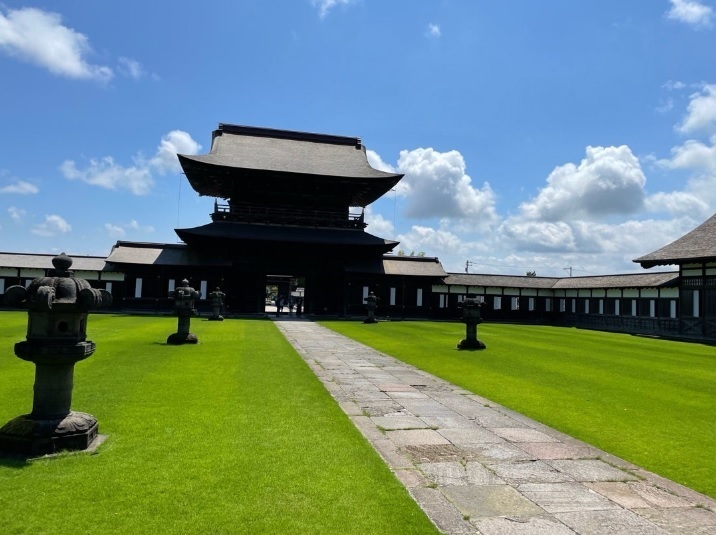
x: 233, y: 435
x: 649, y: 401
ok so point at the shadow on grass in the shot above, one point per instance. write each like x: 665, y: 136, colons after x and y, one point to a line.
x: 14, y: 461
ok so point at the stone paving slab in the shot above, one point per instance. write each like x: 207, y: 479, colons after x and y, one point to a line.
x: 475, y: 467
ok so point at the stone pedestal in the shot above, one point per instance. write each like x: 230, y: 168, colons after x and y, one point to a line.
x: 184, y: 309
x: 217, y: 303
x: 371, y: 303
x: 471, y: 318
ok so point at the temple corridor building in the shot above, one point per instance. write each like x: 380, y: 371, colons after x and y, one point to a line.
x: 288, y: 220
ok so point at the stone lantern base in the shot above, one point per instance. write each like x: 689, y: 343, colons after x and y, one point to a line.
x: 32, y: 436
x: 471, y: 344
x: 178, y: 339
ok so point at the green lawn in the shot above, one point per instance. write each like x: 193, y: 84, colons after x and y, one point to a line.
x: 650, y: 401
x: 233, y: 435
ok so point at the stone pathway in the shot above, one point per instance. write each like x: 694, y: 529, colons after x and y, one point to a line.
x: 476, y: 467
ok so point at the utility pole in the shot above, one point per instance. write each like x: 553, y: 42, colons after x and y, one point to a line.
x: 569, y: 269
x: 468, y: 264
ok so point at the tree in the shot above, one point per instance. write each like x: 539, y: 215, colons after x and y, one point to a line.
x: 531, y: 273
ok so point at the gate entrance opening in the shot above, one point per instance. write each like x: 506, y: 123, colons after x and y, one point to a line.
x: 285, y: 294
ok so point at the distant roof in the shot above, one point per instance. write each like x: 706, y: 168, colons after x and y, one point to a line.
x: 629, y: 280
x: 240, y: 154
x: 506, y: 281
x: 632, y: 280
x: 699, y: 245
x: 44, y: 261
x: 160, y: 254
x: 413, y: 265
x: 409, y: 266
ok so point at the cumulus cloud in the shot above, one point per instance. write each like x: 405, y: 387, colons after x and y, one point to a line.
x: 52, y: 226
x: 175, y: 142
x: 692, y: 154
x: 677, y: 203
x: 690, y: 12
x: 436, y: 185
x: 377, y: 224
x: 539, y: 236
x: 108, y: 174
x: 324, y: 6
x: 701, y: 112
x: 376, y: 162
x: 20, y: 187
x: 608, y: 181
x: 138, y: 179
x: 431, y: 241
x: 39, y: 37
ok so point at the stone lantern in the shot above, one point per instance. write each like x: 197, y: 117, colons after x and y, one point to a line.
x: 217, y: 302
x: 371, y: 303
x: 58, y: 307
x: 184, y: 308
x: 471, y: 318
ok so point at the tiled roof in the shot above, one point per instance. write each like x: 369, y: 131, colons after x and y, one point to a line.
x: 631, y: 280
x: 246, y: 160
x: 282, y: 234
x: 265, y: 149
x: 44, y: 261
x: 160, y: 254
x: 413, y: 266
x: 697, y: 245
x: 634, y: 280
x: 505, y: 281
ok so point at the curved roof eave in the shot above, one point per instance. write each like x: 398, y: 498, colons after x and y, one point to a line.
x: 699, y: 245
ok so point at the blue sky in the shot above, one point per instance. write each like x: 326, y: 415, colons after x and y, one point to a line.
x: 534, y: 136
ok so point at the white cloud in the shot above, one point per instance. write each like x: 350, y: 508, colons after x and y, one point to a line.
x: 376, y: 162
x: 39, y: 37
x: 690, y: 12
x: 538, y: 235
x: 665, y: 105
x: 53, y: 225
x: 20, y: 187
x: 107, y: 174
x: 436, y: 185
x: 16, y: 214
x: 121, y: 230
x: 432, y: 242
x: 138, y: 179
x: 673, y: 85
x: 324, y: 6
x: 701, y: 112
x: 175, y: 142
x: 133, y: 225
x: 115, y: 231
x: 608, y: 181
x: 700, y: 160
x: 377, y: 224
x: 433, y: 31
x: 130, y: 67
x: 692, y: 155
x: 677, y: 203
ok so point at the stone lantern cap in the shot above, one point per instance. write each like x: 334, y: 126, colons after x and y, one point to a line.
x: 471, y: 308
x: 372, y: 299
x: 60, y: 291
x: 57, y: 313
